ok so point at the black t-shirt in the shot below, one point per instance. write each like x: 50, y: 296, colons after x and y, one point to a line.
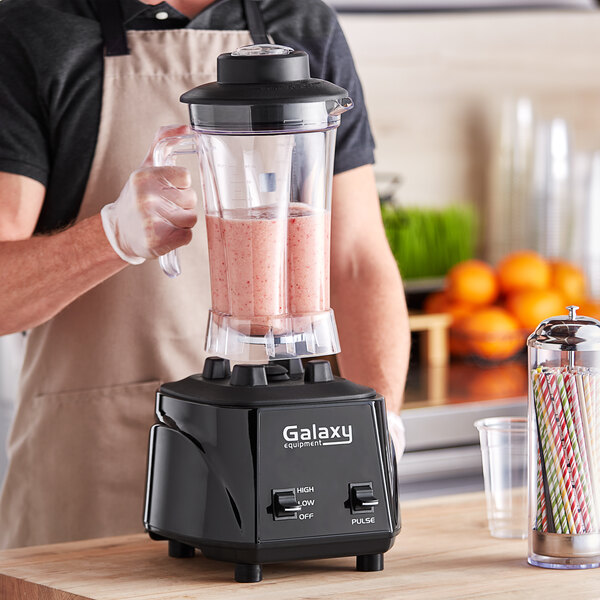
x: 51, y: 66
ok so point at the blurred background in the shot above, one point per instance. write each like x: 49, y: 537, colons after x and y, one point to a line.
x: 486, y: 116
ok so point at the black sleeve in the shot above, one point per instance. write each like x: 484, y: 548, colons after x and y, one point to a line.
x: 355, y: 144
x: 312, y: 26
x: 23, y: 137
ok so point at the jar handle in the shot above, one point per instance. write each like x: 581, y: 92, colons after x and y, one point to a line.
x: 164, y: 155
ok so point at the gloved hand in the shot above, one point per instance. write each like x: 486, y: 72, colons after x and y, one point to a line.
x: 397, y: 433
x: 155, y: 211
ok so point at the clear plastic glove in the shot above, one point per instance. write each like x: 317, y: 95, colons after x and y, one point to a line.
x: 155, y: 211
x: 397, y: 433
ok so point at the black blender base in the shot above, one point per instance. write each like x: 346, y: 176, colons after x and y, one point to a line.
x: 248, y: 573
x: 369, y: 562
x: 180, y: 550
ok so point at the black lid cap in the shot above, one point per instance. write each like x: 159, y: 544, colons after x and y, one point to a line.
x: 265, y: 87
x: 267, y: 64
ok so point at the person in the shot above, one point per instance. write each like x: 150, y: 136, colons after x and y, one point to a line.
x: 86, y: 84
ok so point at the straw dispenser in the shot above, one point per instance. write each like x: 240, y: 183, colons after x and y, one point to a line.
x: 564, y: 443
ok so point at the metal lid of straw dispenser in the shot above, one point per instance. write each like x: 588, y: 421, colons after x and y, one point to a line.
x: 567, y: 333
x: 564, y: 449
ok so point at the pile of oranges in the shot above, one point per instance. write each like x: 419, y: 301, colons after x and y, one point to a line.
x: 494, y: 310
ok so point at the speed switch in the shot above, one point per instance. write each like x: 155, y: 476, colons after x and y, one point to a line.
x: 285, y: 505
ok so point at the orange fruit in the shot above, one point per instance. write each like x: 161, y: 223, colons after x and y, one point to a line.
x: 531, y: 307
x: 472, y: 282
x: 589, y: 308
x: 569, y: 280
x: 491, y: 333
x: 459, y: 311
x: 523, y: 270
x: 437, y: 302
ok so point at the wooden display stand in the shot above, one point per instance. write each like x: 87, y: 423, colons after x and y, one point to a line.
x: 433, y: 331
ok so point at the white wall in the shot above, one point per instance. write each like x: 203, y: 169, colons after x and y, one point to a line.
x: 435, y: 83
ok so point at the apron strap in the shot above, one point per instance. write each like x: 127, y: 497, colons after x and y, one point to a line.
x: 114, y: 36
x: 256, y: 24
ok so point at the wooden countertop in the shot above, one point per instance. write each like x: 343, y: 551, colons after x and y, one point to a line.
x: 444, y: 551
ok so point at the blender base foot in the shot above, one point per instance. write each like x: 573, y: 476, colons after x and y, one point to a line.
x: 248, y: 573
x: 369, y: 562
x: 179, y: 550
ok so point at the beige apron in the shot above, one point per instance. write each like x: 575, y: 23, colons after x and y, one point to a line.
x: 79, y: 441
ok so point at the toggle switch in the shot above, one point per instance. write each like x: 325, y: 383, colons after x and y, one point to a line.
x: 362, y: 498
x: 285, y: 505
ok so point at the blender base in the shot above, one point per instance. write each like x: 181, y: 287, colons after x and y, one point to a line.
x: 234, y: 449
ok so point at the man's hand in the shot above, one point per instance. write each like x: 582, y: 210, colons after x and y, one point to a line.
x: 397, y: 433
x: 155, y: 211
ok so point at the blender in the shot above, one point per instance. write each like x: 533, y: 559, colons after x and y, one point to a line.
x: 272, y: 459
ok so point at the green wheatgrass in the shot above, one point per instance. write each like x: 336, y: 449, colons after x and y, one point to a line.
x: 427, y: 242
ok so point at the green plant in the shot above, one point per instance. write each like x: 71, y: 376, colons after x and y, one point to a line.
x: 426, y: 242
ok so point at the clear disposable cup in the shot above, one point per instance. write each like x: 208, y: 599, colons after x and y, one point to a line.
x: 504, y: 457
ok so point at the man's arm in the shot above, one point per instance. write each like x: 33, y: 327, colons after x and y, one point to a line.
x: 366, y: 290
x: 43, y: 274
x: 154, y: 213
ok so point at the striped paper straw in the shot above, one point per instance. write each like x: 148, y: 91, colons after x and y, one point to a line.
x: 550, y: 397
x: 541, y: 516
x: 595, y: 431
x: 565, y: 424
x: 572, y: 414
x: 593, y: 414
x: 556, y: 502
x: 588, y: 433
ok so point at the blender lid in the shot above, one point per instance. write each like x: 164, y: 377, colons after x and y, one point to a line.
x: 265, y: 87
x: 567, y: 333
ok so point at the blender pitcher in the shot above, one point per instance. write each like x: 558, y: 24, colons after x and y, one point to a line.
x: 264, y: 133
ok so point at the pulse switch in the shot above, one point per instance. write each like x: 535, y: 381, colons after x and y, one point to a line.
x: 362, y: 498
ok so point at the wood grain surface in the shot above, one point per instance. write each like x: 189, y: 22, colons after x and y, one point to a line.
x: 444, y: 551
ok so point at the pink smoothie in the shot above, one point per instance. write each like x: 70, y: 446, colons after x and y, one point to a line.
x: 308, y: 259
x: 247, y: 261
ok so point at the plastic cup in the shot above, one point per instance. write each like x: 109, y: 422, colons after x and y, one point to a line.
x: 504, y: 457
